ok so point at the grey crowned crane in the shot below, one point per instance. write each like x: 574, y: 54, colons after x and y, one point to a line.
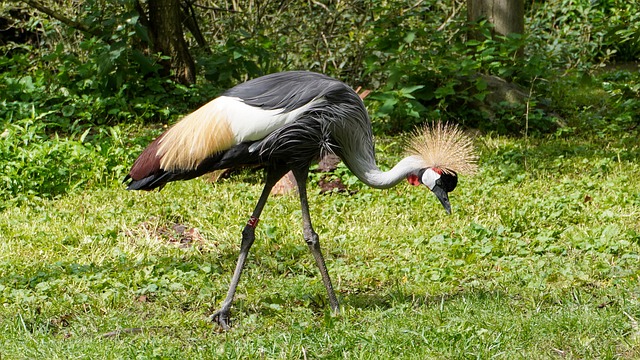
x: 287, y: 121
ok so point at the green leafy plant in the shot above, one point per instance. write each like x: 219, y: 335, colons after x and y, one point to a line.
x: 37, y: 163
x: 583, y: 33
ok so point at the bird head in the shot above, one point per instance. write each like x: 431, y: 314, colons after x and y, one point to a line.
x: 443, y: 151
x: 438, y: 181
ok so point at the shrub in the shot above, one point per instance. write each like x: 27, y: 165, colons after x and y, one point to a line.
x: 36, y: 163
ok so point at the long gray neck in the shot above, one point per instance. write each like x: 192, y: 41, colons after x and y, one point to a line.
x: 369, y: 173
x: 349, y: 125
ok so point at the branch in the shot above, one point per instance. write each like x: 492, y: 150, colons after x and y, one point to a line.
x: 453, y: 14
x: 191, y: 22
x: 214, y: 8
x: 321, y: 5
x: 63, y: 19
x: 415, y: 6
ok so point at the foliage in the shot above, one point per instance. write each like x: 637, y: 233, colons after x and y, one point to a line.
x: 433, y: 74
x: 605, y: 104
x: 583, y: 33
x: 240, y: 60
x: 36, y: 163
x: 420, y: 64
x: 257, y: 37
x: 429, y: 70
x: 91, y: 80
x: 415, y: 56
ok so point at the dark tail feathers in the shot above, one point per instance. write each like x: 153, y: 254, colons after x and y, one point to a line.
x: 156, y: 181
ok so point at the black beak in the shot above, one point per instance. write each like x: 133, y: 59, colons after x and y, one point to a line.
x: 443, y: 197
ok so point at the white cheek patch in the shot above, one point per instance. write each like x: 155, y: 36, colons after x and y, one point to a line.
x: 429, y: 178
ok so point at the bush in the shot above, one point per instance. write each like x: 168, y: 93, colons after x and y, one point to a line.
x: 433, y: 74
x: 583, y: 33
x: 38, y: 164
x: 415, y: 56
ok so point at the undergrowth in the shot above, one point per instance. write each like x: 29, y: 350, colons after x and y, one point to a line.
x: 39, y: 163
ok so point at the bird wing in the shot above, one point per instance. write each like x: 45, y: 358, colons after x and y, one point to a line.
x: 285, y: 90
x: 217, y: 126
x: 247, y: 112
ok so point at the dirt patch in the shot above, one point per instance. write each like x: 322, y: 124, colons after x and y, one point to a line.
x: 177, y: 234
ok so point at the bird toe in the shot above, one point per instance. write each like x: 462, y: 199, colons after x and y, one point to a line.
x: 221, y: 318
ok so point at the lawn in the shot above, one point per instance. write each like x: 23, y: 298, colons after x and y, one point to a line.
x: 539, y: 259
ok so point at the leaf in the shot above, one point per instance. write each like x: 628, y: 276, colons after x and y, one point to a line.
x: 84, y: 135
x: 409, y: 37
x: 444, y: 91
x: 116, y: 53
x: 271, y: 231
x: 480, y: 96
x: 410, y: 89
x: 27, y: 83
x: 68, y: 110
x: 146, y: 65
x: 481, y: 84
x: 388, y: 105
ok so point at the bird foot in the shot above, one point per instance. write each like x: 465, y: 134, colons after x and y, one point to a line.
x: 221, y: 317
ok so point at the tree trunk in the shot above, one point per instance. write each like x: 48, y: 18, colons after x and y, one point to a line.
x: 165, y: 30
x: 507, y: 16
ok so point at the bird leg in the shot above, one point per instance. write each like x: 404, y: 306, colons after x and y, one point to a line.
x: 248, y: 236
x: 311, y: 237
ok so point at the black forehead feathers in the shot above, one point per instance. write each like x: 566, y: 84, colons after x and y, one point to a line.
x: 449, y: 181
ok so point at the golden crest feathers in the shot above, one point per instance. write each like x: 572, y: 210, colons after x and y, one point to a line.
x: 444, y: 146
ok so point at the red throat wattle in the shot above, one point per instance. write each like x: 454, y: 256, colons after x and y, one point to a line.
x: 413, y: 179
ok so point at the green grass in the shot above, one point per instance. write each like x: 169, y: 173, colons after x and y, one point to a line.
x: 540, y: 259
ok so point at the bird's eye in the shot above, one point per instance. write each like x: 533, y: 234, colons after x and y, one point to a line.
x: 439, y: 182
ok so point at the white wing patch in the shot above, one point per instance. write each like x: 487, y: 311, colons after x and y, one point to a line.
x: 250, y: 123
